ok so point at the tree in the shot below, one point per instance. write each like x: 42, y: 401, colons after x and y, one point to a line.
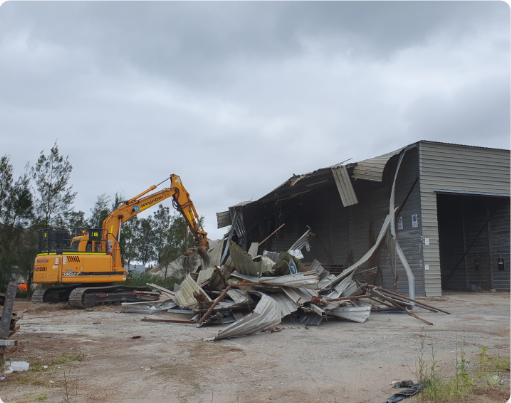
x: 162, y: 220
x: 6, y: 169
x: 75, y: 220
x: 17, y: 238
x: 146, y: 240
x: 129, y: 244
x: 100, y: 211
x: 54, y: 196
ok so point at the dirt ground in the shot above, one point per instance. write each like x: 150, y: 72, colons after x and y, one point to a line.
x: 338, y: 361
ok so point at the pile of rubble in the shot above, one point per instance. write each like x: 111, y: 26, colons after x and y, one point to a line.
x: 253, y: 293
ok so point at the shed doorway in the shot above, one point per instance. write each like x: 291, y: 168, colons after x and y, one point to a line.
x: 474, y: 242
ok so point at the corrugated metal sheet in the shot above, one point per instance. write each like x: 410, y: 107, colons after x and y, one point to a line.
x: 372, y: 169
x: 498, y: 230
x: 242, y: 261
x: 344, y: 186
x: 286, y: 306
x: 300, y: 280
x: 409, y: 237
x: 299, y: 295
x: 239, y: 296
x: 319, y: 270
x: 252, y: 251
x: 205, y: 275
x: 266, y: 314
x: 301, y: 242
x: 358, y: 313
x: 311, y: 319
x: 223, y: 219
x: 460, y: 168
x: 185, y: 296
x: 215, y: 252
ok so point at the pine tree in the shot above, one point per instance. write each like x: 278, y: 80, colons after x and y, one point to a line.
x: 54, y: 196
x: 100, y: 211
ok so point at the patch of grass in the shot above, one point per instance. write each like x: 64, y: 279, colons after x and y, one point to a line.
x: 461, y: 384
x: 42, y: 396
x: 491, y: 368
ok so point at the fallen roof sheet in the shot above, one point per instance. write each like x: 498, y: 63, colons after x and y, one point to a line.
x: 311, y: 319
x: 344, y: 185
x: 147, y: 306
x: 242, y: 261
x: 300, y: 280
x: 266, y: 314
x: 299, y: 295
x: 320, y: 271
x: 358, y: 313
x: 286, y: 306
x: 252, y: 251
x: 205, y: 275
x: 185, y: 295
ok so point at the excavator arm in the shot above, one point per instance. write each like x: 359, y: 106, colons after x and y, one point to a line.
x: 141, y: 202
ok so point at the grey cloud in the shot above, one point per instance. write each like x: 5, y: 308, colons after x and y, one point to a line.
x: 236, y: 97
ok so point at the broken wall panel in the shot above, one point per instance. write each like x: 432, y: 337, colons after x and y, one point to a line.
x: 185, y: 296
x: 223, y: 219
x: 266, y: 314
x: 242, y: 261
x: 344, y: 186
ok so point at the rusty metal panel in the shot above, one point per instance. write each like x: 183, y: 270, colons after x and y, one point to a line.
x: 344, y: 185
x: 372, y: 169
x: 223, y: 219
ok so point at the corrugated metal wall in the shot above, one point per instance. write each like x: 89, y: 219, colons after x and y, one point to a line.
x: 409, y: 237
x: 498, y: 230
x: 459, y: 168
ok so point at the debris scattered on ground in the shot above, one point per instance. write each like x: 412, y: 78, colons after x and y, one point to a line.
x: 254, y: 292
x: 404, y: 394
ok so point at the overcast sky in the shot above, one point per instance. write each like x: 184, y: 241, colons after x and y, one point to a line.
x: 236, y: 97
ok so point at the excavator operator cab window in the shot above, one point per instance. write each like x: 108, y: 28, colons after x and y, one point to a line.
x: 97, y: 246
x: 74, y: 246
x: 88, y: 248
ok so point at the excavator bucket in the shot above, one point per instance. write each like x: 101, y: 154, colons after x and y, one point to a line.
x: 190, y: 255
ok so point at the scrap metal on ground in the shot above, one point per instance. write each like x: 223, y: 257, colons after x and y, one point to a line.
x: 252, y: 292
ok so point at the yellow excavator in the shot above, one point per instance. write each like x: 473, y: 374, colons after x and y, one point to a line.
x: 86, y: 267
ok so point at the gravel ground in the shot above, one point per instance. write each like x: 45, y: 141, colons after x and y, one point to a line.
x: 338, y: 361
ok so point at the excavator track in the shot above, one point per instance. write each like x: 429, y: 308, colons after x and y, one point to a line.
x: 87, y: 297
x: 52, y: 295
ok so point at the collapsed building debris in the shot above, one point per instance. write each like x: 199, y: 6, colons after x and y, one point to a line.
x: 252, y: 292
